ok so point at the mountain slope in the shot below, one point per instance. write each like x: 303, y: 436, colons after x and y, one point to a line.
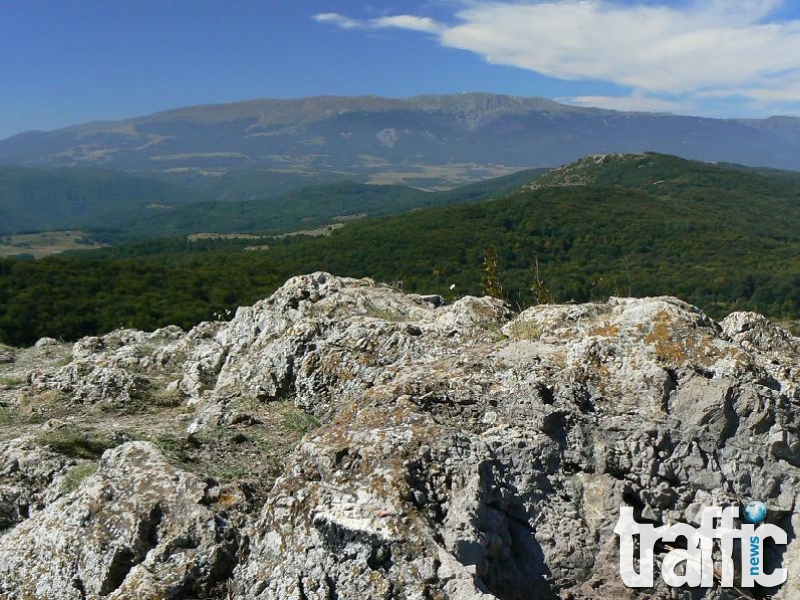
x: 305, y: 208
x: 39, y: 199
x: 640, y: 225
x: 379, y: 135
x: 115, y: 206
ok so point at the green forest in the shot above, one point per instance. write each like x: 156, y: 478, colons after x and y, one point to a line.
x: 302, y: 209
x: 723, y: 239
x: 49, y: 199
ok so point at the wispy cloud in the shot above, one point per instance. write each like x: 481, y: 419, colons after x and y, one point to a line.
x: 635, y: 102
x: 670, y: 56
x: 338, y: 20
x: 412, y: 22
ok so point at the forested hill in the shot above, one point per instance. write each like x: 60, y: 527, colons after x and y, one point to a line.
x: 115, y: 207
x: 724, y: 239
x: 45, y: 199
x: 305, y: 208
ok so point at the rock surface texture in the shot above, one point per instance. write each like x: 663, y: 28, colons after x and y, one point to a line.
x: 343, y: 440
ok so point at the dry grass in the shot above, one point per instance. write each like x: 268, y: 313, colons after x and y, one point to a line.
x: 526, y: 330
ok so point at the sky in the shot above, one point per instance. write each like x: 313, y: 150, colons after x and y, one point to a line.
x: 64, y: 62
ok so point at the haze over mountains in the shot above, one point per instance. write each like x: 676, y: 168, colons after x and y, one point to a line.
x: 374, y: 136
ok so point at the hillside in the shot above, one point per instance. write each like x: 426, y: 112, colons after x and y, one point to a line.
x: 44, y: 199
x: 370, y: 136
x: 636, y: 225
x: 249, y: 184
x: 304, y: 208
x: 112, y: 207
x: 341, y: 439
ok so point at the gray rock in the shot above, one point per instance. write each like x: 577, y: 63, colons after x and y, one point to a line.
x: 464, y: 452
x: 137, y: 528
x: 30, y: 479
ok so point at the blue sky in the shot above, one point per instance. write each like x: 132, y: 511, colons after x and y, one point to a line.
x: 65, y: 62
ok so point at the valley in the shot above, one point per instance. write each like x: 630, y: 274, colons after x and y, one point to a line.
x: 725, y: 238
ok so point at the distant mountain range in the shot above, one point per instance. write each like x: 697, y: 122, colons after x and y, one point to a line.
x: 398, y: 140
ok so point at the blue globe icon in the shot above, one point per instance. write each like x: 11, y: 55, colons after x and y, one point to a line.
x: 755, y: 511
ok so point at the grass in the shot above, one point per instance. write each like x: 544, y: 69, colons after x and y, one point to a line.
x: 12, y: 380
x: 44, y: 244
x: 10, y: 416
x: 176, y: 448
x: 164, y: 398
x: 238, y: 472
x: 63, y: 361
x: 209, y: 453
x: 792, y: 326
x: 75, y: 477
x: 299, y: 421
x: 7, y: 416
x: 384, y: 314
x: 247, y: 403
x: 495, y: 329
x: 75, y: 443
x: 526, y: 330
x: 154, y: 398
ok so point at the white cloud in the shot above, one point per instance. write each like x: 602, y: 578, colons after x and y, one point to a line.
x: 412, y: 22
x: 337, y: 20
x: 423, y: 24
x: 659, y: 51
x: 632, y: 103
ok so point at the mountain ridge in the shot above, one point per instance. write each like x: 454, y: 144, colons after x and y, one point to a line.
x: 372, y: 135
x: 362, y: 102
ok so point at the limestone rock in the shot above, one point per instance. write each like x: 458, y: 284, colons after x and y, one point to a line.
x: 137, y: 528
x: 46, y: 342
x: 463, y: 452
x: 30, y: 478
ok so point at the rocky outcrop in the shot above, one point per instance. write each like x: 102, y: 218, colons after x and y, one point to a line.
x: 449, y: 450
x: 136, y: 528
x: 30, y: 479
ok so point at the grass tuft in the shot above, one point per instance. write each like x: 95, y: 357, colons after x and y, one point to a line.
x: 75, y: 443
x: 75, y: 477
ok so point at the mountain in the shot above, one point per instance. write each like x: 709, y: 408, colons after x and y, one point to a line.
x: 49, y: 199
x: 372, y: 136
x: 341, y: 439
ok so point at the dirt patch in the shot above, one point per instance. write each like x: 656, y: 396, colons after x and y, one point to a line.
x: 323, y: 231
